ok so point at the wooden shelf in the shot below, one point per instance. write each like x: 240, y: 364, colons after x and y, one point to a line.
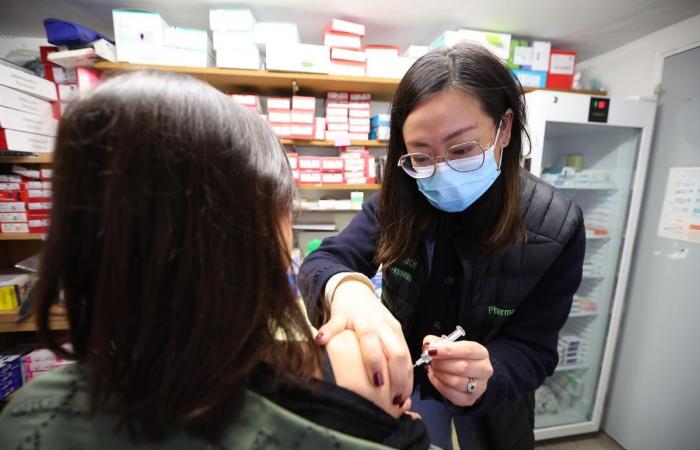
x: 309, y: 83
x: 339, y: 187
x: 21, y: 237
x: 8, y: 322
x: 264, y: 81
x: 316, y: 143
x: 41, y: 159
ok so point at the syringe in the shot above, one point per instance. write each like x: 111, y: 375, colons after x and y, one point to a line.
x: 456, y: 334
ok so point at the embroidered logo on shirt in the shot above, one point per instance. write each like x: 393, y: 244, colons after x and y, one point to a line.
x: 496, y: 311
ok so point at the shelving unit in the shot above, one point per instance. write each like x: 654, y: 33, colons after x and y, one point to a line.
x: 21, y: 237
x: 9, y: 324
x: 40, y: 159
x: 316, y: 143
x: 339, y: 187
x: 267, y: 82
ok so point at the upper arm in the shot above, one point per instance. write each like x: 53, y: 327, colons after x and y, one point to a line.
x: 349, y: 370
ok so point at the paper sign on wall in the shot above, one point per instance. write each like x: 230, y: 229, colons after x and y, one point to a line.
x: 680, y: 216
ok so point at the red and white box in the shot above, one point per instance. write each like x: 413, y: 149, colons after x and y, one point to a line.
x: 333, y: 135
x: 562, y: 67
x: 60, y: 75
x: 309, y: 163
x: 332, y: 126
x: 335, y: 119
x: 364, y: 129
x: 59, y: 109
x: 25, y: 142
x: 12, y: 196
x: 381, y: 51
x: 302, y: 117
x: 293, y: 160
x: 342, y: 97
x: 347, y: 55
x: 295, y: 175
x: 359, y: 114
x: 29, y: 123
x: 346, y: 68
x: 45, y: 172
x: 38, y: 223
x: 360, y: 97
x: 358, y: 136
x: 250, y: 101
x: 356, y: 180
x: 331, y: 39
x: 359, y: 121
x: 282, y: 130
x: 14, y: 228
x: 309, y: 177
x: 332, y: 178
x: 33, y: 172
x: 320, y: 128
x: 38, y: 195
x: 279, y: 103
x: 278, y: 116
x: 16, y: 78
x: 13, y: 217
x: 24, y: 102
x: 10, y: 178
x: 333, y: 164
x: 343, y: 26
x: 302, y: 131
x: 13, y: 207
x: 336, y: 112
x: 303, y: 103
x: 39, y: 207
x: 359, y: 105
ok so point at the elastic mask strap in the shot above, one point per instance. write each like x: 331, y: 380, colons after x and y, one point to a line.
x: 498, y: 132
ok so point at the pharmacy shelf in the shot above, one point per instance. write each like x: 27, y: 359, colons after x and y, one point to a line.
x: 319, y: 210
x: 339, y: 187
x: 308, y: 83
x: 22, y: 236
x: 41, y: 159
x: 265, y: 82
x: 8, y: 323
x: 317, y: 143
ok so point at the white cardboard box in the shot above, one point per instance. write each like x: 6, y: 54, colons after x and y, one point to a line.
x: 298, y: 58
x: 331, y: 39
x: 279, y: 116
x: 279, y: 103
x: 302, y: 117
x: 139, y: 36
x: 9, y: 207
x: 416, y: 51
x: 25, y: 82
x: 12, y: 119
x: 14, y: 228
x: 303, y: 103
x: 24, y: 102
x: 320, y: 128
x: 25, y: 142
x: 267, y: 33
x: 351, y: 69
x: 343, y: 26
x: 231, y: 19
x: 345, y: 54
x: 247, y: 57
x: 233, y: 39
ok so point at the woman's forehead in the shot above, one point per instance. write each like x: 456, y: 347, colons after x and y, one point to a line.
x: 443, y: 113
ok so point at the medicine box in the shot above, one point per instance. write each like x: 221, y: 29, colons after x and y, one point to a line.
x: 139, y: 36
x: 22, y: 121
x: 18, y: 79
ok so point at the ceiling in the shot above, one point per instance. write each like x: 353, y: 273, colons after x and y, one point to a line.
x: 590, y: 27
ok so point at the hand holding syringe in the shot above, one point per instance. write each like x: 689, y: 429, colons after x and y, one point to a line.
x: 456, y: 334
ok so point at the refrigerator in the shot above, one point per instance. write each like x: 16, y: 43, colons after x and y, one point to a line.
x: 595, y: 150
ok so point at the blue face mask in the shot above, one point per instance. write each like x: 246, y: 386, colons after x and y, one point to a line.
x: 452, y: 191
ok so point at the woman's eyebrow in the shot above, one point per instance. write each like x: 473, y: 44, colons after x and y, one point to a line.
x: 456, y: 133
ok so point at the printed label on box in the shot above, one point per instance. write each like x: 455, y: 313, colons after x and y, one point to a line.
x: 562, y: 64
x: 14, y: 228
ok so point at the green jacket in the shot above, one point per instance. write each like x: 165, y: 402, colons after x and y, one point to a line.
x: 52, y: 412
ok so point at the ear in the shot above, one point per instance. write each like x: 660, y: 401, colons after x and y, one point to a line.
x: 506, y: 128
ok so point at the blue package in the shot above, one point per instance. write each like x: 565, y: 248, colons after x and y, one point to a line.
x: 62, y: 32
x: 380, y: 119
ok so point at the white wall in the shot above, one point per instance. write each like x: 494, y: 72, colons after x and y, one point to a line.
x: 634, y: 68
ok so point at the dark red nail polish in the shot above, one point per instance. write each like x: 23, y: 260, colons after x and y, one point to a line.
x: 319, y: 336
x: 397, y: 400
x: 427, y: 368
x: 432, y: 352
x: 378, y: 379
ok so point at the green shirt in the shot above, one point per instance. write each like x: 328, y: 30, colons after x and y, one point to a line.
x: 52, y: 412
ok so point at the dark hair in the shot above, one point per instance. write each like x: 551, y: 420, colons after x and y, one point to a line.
x: 404, y: 213
x: 166, y: 243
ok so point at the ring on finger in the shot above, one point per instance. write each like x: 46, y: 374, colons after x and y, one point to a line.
x: 471, y: 385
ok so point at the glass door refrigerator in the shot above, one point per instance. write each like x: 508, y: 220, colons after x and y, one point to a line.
x: 595, y: 150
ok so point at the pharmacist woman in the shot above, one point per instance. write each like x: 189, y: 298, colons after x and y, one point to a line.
x: 465, y: 237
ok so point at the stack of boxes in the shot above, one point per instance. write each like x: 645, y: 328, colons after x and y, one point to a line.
x: 25, y: 199
x: 146, y: 38
x: 348, y: 115
x: 27, y: 121
x: 360, y: 167
x: 344, y: 39
x: 353, y: 166
x: 234, y: 38
x: 570, y: 349
x: 529, y: 61
x: 380, y: 127
x: 250, y: 102
x: 383, y: 61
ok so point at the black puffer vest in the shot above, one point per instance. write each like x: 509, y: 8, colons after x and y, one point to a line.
x: 495, y: 287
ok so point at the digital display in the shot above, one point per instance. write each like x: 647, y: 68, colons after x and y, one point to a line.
x: 598, y: 110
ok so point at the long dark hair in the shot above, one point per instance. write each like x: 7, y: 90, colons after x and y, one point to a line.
x: 404, y: 213
x: 167, y: 245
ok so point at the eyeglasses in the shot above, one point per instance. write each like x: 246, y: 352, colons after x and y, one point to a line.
x: 464, y: 157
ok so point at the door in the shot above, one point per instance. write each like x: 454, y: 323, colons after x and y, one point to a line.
x: 654, y: 396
